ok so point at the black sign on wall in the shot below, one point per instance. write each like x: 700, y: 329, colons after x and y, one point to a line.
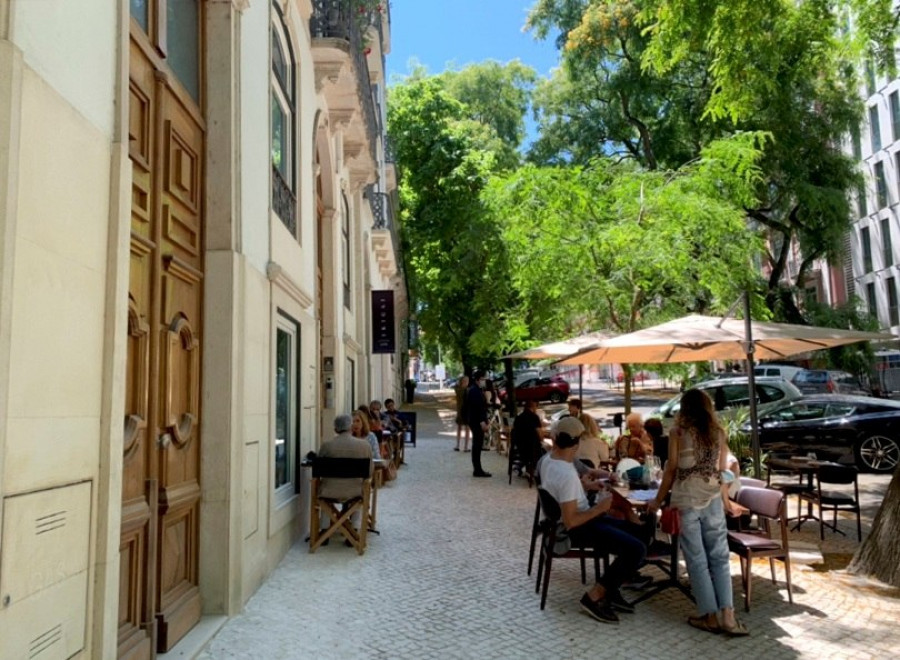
x: 383, y: 340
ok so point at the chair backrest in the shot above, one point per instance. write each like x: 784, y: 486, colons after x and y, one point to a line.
x: 588, y: 462
x: 836, y: 474
x: 767, y: 502
x: 750, y: 482
x: 341, y: 468
x: 549, y: 505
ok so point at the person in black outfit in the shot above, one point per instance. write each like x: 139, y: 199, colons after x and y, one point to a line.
x: 477, y: 419
x: 527, y: 435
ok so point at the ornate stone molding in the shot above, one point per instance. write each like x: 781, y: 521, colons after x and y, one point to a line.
x: 278, y: 277
x: 351, y: 344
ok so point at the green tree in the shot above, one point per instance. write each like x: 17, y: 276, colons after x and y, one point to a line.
x: 456, y: 260
x: 618, y: 247
x: 496, y: 95
x: 661, y: 111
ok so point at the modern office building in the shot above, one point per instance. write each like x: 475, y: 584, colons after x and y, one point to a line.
x: 196, y: 224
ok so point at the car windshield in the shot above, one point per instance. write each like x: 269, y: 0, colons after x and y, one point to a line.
x: 800, y: 411
x: 812, y: 377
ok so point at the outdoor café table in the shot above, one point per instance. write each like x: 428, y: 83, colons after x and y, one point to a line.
x: 667, y: 564
x: 800, y: 465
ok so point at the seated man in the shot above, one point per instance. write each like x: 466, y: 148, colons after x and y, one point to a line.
x: 390, y: 418
x: 344, y: 445
x: 589, y: 526
x: 527, y: 435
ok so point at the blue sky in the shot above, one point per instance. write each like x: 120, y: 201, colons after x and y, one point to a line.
x: 440, y: 32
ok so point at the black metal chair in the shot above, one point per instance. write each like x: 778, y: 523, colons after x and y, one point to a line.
x: 795, y: 484
x: 835, y: 500
x: 551, y: 529
x: 770, y: 507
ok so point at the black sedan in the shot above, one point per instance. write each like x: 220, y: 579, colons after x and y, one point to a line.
x: 836, y: 427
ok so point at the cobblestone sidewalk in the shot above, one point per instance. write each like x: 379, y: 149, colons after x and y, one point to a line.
x: 446, y: 579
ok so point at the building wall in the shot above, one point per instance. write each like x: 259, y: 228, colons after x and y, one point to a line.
x: 65, y: 196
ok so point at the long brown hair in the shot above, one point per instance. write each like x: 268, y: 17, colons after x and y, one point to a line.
x: 364, y: 422
x: 698, y: 414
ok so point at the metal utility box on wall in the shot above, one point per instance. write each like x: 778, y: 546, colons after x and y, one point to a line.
x: 44, y: 574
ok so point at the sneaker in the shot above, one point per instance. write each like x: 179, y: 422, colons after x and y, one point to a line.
x: 599, y: 610
x: 482, y: 474
x: 638, y: 582
x: 618, y: 602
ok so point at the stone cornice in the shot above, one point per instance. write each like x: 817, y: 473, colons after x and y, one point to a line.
x: 282, y: 280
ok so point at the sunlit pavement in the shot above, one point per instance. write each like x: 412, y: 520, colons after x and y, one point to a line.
x: 447, y: 579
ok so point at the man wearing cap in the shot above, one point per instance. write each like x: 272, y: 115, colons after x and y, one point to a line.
x: 477, y: 419
x: 588, y: 525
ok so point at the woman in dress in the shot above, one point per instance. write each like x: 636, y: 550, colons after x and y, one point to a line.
x: 697, y: 476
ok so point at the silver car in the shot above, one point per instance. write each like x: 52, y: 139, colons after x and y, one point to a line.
x: 731, y: 395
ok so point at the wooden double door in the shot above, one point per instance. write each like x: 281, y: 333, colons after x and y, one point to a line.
x: 159, y: 597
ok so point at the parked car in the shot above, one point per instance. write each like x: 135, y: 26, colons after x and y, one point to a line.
x: 730, y: 395
x: 554, y: 389
x: 824, y: 381
x: 848, y: 429
x: 783, y: 371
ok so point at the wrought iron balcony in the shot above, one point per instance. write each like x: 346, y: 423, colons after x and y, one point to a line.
x: 385, y: 238
x: 283, y: 201
x: 339, y: 20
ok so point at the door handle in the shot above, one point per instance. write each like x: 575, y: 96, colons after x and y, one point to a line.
x: 164, y: 440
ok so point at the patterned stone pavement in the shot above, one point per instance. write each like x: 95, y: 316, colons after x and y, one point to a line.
x: 446, y: 579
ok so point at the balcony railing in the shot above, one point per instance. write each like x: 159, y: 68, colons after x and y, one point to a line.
x: 283, y: 201
x: 336, y: 19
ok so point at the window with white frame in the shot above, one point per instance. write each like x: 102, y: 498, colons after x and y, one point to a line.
x: 861, y: 206
x: 895, y: 114
x: 893, y: 311
x: 346, y: 251
x: 283, y: 116
x: 887, y: 247
x: 881, y: 190
x: 287, y: 392
x: 350, y: 394
x: 866, y: 240
x: 872, y: 300
x: 874, y: 129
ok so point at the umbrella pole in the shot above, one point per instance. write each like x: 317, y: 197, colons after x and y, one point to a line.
x: 580, y: 377
x: 751, y: 384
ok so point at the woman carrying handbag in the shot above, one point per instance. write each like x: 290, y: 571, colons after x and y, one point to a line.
x: 698, y: 477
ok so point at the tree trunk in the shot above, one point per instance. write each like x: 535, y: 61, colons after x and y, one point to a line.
x: 879, y: 554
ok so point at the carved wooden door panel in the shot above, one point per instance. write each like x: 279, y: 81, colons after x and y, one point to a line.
x: 159, y: 599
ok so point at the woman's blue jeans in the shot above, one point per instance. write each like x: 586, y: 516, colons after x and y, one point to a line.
x: 704, y: 545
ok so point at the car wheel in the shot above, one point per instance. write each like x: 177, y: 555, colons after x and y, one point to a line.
x: 878, y: 453
x: 556, y: 397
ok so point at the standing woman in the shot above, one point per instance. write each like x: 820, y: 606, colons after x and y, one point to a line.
x: 461, y: 426
x: 697, y: 475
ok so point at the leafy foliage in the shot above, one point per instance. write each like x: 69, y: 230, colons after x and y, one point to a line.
x: 456, y: 260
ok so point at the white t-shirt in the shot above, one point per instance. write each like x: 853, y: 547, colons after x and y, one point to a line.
x: 560, y: 479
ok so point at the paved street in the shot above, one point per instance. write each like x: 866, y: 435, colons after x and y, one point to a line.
x: 447, y: 579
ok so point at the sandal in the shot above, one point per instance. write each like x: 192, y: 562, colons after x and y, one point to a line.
x: 700, y: 623
x: 737, y: 630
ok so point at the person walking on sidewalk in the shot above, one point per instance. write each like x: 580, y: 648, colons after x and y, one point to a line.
x: 477, y: 418
x: 462, y: 424
x: 696, y: 473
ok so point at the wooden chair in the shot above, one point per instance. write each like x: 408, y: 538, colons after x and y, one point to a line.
x: 550, y: 527
x: 340, y: 510
x: 836, y: 500
x: 769, y: 506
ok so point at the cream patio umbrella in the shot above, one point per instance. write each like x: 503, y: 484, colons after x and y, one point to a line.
x: 564, y: 348
x: 697, y: 338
